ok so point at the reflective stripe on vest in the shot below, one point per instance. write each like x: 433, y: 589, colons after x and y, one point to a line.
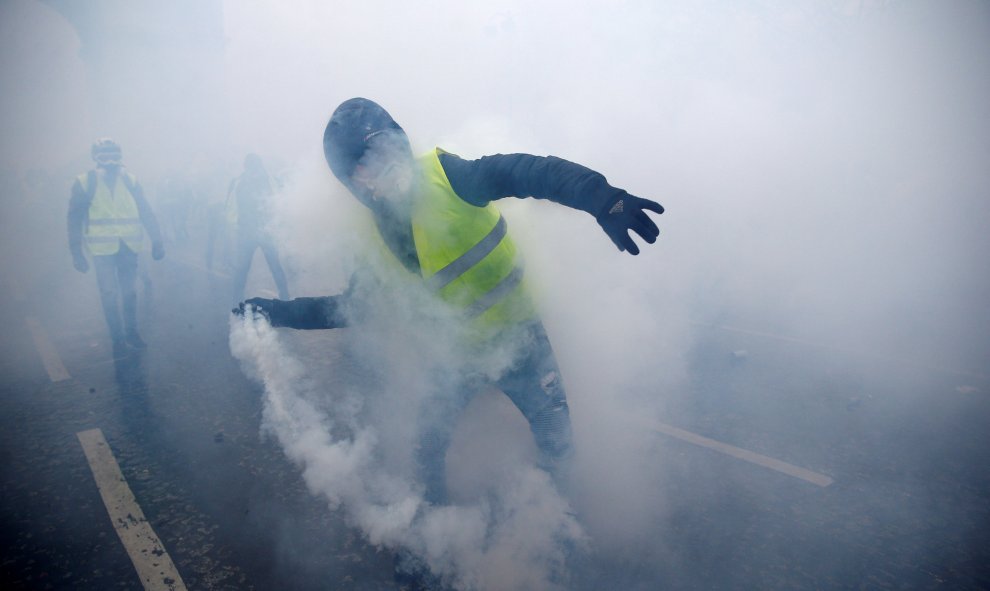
x: 495, y: 294
x: 470, y: 258
x: 112, y: 217
x: 465, y: 254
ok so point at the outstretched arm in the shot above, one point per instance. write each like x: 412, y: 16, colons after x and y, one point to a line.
x: 558, y: 180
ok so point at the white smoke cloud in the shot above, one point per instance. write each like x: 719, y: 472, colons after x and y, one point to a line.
x: 352, y: 439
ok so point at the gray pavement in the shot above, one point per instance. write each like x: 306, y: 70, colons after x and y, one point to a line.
x: 183, y: 423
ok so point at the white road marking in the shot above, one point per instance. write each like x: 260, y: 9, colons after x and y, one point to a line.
x: 731, y: 450
x: 152, y: 562
x: 49, y: 356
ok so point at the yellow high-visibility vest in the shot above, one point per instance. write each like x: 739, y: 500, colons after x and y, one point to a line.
x: 113, y: 216
x: 465, y: 253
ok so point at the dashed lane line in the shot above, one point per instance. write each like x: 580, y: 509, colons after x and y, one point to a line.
x: 49, y: 356
x: 731, y: 450
x: 152, y: 562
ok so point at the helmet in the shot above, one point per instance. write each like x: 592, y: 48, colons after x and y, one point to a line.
x: 106, y: 151
x: 350, y: 130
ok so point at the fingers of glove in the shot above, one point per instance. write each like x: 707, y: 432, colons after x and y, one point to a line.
x: 262, y: 306
x: 615, y: 233
x: 626, y: 243
x: 617, y: 242
x: 644, y: 226
x: 259, y: 302
x: 641, y: 203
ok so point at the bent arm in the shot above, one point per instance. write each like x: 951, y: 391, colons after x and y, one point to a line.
x: 555, y: 179
x: 524, y: 175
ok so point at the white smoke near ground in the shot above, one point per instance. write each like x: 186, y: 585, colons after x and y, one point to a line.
x: 352, y: 435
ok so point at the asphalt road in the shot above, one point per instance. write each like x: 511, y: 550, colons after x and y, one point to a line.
x: 906, y: 447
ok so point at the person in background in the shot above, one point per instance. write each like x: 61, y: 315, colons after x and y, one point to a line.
x: 248, y: 206
x: 175, y: 201
x: 108, y: 215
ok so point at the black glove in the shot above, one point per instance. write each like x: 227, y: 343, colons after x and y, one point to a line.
x: 259, y: 306
x: 157, y: 250
x: 625, y: 212
x: 80, y: 263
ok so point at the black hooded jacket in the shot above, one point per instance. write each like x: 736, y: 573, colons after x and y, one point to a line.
x: 477, y: 182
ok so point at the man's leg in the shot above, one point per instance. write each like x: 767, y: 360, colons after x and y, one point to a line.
x: 213, y: 222
x: 437, y: 420
x: 271, y: 256
x: 245, y: 252
x: 126, y: 266
x: 106, y: 278
x: 535, y: 386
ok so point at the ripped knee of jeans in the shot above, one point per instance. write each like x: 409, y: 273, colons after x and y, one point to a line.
x: 550, y: 383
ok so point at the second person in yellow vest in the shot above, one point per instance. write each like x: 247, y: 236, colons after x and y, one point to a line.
x: 108, y: 216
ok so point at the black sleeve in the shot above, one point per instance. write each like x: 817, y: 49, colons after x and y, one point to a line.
x: 78, y: 209
x: 524, y: 175
x: 308, y: 313
x: 147, y: 216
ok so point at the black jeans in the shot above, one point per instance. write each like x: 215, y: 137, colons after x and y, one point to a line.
x: 116, y: 276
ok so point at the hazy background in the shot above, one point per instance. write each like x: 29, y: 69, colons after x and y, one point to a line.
x: 825, y: 165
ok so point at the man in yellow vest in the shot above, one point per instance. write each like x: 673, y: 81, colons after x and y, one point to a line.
x: 435, y: 215
x: 108, y: 214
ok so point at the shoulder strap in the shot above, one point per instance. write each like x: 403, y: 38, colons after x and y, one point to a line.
x: 90, y: 185
x: 129, y: 182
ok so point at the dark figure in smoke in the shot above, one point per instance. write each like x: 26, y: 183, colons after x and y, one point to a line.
x: 436, y: 216
x: 248, y: 200
x: 108, y: 212
x: 175, y: 201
